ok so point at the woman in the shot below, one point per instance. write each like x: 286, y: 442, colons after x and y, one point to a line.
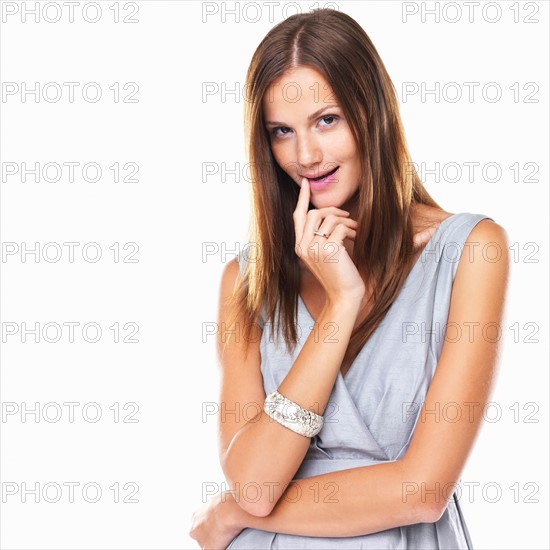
x: 372, y: 289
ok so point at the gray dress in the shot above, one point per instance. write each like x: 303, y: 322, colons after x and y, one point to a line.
x: 372, y: 411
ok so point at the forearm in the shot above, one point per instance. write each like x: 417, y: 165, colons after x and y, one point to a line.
x: 267, y: 454
x: 311, y: 378
x: 347, y: 503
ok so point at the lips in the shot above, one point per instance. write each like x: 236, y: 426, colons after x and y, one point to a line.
x: 320, y: 183
x: 321, y: 176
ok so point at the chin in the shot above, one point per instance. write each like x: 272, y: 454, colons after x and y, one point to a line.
x: 333, y: 199
x: 324, y: 202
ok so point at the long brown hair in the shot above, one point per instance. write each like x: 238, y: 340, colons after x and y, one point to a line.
x: 389, y: 182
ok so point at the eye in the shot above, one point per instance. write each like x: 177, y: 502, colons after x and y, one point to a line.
x: 334, y: 117
x: 285, y: 130
x: 274, y: 131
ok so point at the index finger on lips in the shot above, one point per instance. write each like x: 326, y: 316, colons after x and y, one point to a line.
x: 300, y: 213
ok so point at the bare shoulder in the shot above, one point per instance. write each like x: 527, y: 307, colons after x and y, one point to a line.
x: 231, y: 269
x: 488, y: 241
x: 488, y: 231
x: 482, y: 275
x: 426, y: 219
x: 229, y: 279
x: 488, y: 250
x: 228, y: 284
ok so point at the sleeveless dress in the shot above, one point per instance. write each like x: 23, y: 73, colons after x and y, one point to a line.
x: 372, y: 411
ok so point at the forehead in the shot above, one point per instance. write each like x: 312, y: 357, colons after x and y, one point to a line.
x: 298, y: 91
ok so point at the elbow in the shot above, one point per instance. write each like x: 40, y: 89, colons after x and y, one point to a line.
x: 431, y: 513
x: 422, y: 510
x: 418, y: 511
x: 429, y: 507
x: 425, y: 501
x: 255, y: 498
x: 253, y: 492
x: 260, y: 509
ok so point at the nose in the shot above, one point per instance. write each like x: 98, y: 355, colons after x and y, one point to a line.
x: 308, y: 154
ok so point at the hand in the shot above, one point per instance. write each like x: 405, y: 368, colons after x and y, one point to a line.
x: 327, y: 257
x: 215, y: 524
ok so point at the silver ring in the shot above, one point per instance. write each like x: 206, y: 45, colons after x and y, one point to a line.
x: 320, y: 234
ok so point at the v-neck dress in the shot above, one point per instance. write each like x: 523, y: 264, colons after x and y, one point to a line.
x: 372, y: 411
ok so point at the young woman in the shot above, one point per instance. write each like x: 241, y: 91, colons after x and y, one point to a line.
x: 365, y: 316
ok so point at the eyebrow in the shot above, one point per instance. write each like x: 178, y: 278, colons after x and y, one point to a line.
x: 309, y: 118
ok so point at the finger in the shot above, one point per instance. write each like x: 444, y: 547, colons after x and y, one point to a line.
x: 325, y: 210
x: 342, y: 232
x: 316, y: 217
x: 330, y: 223
x: 300, y: 213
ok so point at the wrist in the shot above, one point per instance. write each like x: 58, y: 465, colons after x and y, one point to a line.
x: 344, y: 305
x: 234, y: 517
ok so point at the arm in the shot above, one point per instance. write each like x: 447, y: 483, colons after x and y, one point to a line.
x: 254, y: 449
x: 416, y: 488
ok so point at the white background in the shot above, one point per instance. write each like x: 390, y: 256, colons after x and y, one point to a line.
x: 172, y: 210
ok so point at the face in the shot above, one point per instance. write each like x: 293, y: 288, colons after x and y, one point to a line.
x: 310, y: 136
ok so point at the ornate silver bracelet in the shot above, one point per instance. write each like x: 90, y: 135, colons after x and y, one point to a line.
x: 292, y: 416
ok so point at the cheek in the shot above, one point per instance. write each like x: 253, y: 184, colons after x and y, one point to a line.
x: 341, y: 145
x: 282, y: 158
x: 350, y: 152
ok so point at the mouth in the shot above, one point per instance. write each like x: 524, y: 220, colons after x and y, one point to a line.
x: 323, y: 181
x: 322, y: 176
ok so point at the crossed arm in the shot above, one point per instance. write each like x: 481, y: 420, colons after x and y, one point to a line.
x: 416, y: 488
